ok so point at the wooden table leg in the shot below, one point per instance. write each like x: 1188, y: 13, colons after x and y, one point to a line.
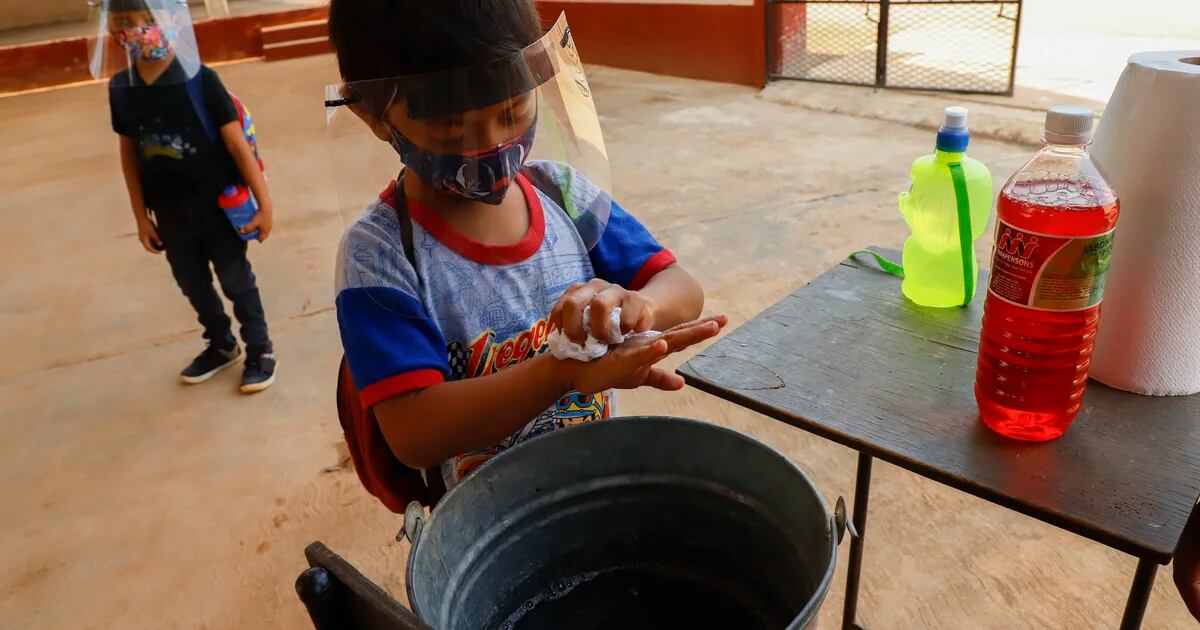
x: 862, y: 495
x: 1139, y: 595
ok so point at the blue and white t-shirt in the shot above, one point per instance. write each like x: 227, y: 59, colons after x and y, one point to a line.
x: 470, y: 309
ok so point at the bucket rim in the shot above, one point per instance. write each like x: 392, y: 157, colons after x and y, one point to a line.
x: 802, y: 619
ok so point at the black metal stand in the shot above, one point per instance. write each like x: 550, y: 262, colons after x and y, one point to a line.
x: 862, y: 495
x: 1139, y: 595
x: 881, y: 44
x: 1135, y: 606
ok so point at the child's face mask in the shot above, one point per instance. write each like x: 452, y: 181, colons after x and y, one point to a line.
x: 484, y: 175
x: 147, y: 42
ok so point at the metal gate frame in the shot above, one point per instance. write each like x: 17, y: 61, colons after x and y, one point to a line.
x: 881, y: 42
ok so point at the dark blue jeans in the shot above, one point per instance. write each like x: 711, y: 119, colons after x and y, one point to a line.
x: 196, y: 239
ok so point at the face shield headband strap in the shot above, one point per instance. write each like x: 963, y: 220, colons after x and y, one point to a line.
x: 456, y: 91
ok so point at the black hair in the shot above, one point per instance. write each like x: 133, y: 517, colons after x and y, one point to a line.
x: 133, y: 5
x: 378, y: 39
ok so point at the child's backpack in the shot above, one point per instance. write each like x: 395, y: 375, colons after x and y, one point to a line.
x: 248, y: 128
x: 384, y: 476
x: 195, y: 90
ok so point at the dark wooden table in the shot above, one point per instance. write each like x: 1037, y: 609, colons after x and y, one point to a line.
x: 849, y: 359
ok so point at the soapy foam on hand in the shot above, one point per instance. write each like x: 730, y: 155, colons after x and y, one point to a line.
x: 563, y: 348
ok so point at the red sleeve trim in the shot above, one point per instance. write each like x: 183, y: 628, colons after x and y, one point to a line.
x: 399, y: 384
x: 654, y: 264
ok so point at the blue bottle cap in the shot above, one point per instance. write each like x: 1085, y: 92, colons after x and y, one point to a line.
x: 953, y: 136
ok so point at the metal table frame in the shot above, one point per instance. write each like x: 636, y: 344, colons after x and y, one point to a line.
x: 1135, y: 605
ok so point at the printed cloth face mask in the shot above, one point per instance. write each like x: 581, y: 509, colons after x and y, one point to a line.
x: 148, y: 43
x: 483, y: 175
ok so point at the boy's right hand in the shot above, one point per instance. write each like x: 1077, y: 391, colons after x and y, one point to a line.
x: 632, y: 364
x: 148, y: 235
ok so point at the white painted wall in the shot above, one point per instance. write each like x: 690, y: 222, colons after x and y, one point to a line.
x: 1079, y: 47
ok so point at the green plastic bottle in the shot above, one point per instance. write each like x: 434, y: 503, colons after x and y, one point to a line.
x: 946, y: 209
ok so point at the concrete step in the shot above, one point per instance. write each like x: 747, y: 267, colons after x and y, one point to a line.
x: 301, y: 39
x: 296, y: 30
x: 1018, y: 119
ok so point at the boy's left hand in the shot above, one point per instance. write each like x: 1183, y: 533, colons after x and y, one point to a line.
x: 637, y: 311
x: 263, y: 222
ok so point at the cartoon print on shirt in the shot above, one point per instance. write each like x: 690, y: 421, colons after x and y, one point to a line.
x: 487, y: 356
x: 169, y: 145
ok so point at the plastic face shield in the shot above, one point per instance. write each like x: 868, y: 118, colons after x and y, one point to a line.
x: 142, y: 37
x: 467, y: 133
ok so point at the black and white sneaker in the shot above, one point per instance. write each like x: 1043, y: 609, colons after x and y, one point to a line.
x: 208, y: 363
x: 259, y: 373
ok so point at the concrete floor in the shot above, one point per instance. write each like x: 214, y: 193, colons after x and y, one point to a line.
x: 132, y: 501
x: 1078, y: 47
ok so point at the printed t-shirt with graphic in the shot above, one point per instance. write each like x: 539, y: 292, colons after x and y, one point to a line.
x: 181, y: 168
x: 471, y: 309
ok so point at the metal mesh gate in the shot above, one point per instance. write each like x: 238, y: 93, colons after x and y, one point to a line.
x: 949, y: 45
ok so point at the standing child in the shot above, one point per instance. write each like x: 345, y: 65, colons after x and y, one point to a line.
x: 181, y: 144
x: 450, y: 284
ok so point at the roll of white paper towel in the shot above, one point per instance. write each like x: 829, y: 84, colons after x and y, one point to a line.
x: 1148, y: 148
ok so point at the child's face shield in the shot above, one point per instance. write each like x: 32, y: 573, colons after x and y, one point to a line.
x: 123, y: 32
x: 467, y: 133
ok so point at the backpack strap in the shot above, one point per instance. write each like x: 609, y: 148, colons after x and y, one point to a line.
x: 539, y: 180
x: 543, y: 182
x: 586, y: 224
x: 195, y: 92
x: 406, y: 233
x: 120, y: 103
x: 406, y: 227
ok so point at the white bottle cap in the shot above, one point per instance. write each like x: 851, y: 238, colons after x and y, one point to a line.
x: 1069, y: 124
x: 956, y: 118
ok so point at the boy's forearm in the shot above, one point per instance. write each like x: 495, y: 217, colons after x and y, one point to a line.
x: 133, y: 181
x: 437, y: 423
x: 243, y: 156
x: 257, y: 183
x: 676, y: 296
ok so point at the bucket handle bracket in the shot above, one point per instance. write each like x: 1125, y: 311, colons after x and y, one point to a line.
x: 414, y: 522
x: 841, y: 523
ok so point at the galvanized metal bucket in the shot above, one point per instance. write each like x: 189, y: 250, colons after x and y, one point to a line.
x: 729, y: 520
